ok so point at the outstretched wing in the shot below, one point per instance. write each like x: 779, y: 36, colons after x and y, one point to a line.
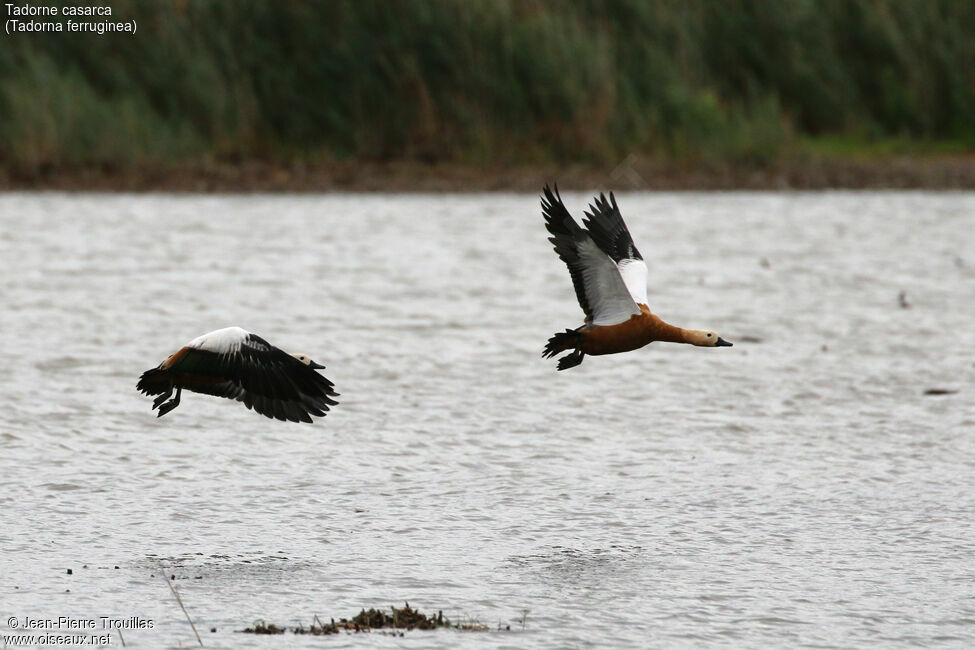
x: 599, y: 287
x: 263, y: 377
x: 608, y: 230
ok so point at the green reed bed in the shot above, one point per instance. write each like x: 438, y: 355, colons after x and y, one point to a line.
x: 488, y: 82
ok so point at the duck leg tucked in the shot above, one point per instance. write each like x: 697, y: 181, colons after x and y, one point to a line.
x: 163, y: 397
x: 170, y: 405
x: 571, y: 360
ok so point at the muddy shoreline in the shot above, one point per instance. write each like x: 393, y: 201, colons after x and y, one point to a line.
x: 946, y: 172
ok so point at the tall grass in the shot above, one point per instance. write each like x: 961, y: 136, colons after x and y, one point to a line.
x: 486, y: 81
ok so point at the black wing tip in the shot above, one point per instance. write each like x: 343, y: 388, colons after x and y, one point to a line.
x: 293, y: 411
x: 548, y: 190
x: 551, y: 202
x: 601, y: 205
x: 608, y: 229
x: 611, y: 202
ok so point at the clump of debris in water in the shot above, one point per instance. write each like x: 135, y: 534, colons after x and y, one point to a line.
x: 397, y: 619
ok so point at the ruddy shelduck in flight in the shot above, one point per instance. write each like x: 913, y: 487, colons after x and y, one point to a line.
x: 610, y: 279
x: 236, y: 364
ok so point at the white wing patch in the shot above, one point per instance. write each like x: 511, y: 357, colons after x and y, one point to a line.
x: 608, y: 297
x: 634, y: 274
x: 225, y: 341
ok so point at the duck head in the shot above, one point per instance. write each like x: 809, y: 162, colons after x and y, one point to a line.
x: 305, y: 359
x: 705, y: 339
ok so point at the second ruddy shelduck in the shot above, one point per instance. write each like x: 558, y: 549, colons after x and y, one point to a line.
x: 237, y: 364
x: 610, y: 279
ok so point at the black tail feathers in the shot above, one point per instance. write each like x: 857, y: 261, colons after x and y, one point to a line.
x: 559, y: 342
x: 155, y: 382
x: 562, y: 341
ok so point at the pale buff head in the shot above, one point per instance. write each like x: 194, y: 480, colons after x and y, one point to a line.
x: 305, y: 359
x: 705, y: 338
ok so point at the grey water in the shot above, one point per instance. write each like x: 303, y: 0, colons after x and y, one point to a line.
x: 799, y: 489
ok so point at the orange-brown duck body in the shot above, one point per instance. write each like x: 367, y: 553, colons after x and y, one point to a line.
x: 632, y: 334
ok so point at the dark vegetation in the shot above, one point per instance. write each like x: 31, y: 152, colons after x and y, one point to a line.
x: 403, y: 618
x: 490, y: 84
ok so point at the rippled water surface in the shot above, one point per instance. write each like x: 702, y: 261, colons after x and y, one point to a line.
x: 798, y: 489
